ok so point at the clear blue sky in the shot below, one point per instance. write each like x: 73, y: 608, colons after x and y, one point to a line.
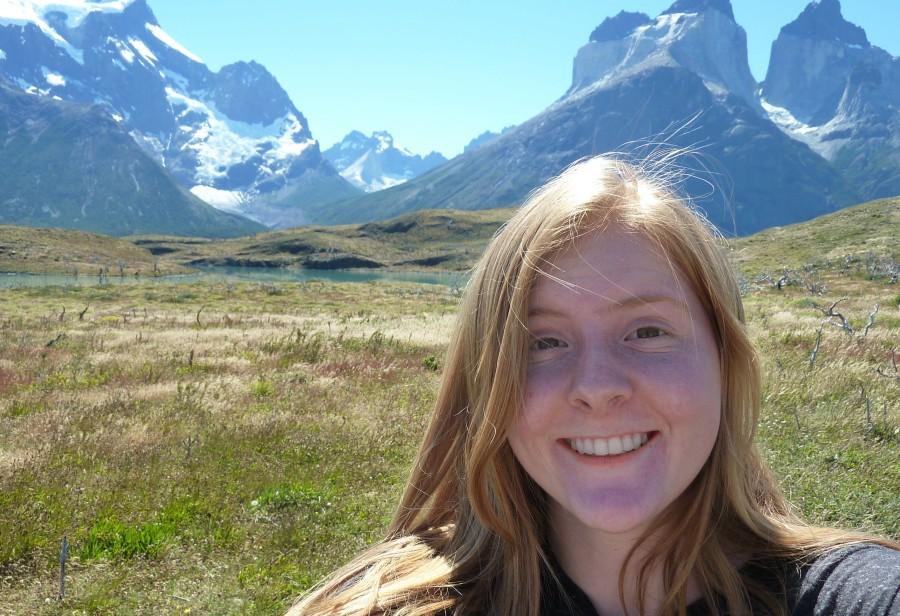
x: 436, y: 74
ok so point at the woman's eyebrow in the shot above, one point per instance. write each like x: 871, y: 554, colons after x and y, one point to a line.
x: 633, y: 301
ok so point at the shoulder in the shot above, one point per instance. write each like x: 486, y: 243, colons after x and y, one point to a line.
x: 860, y: 579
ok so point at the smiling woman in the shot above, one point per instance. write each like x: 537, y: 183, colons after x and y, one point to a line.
x: 592, y: 446
x: 622, y: 394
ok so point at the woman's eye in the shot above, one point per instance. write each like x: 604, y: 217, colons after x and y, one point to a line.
x: 546, y: 344
x: 647, y: 332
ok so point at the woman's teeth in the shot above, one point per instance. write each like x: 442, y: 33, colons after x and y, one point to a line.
x: 608, y: 446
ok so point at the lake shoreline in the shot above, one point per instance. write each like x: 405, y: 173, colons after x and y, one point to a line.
x: 448, y: 278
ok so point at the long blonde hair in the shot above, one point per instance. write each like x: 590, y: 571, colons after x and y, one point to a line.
x: 469, y: 535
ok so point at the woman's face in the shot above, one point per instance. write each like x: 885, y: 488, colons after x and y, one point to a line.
x: 623, y: 393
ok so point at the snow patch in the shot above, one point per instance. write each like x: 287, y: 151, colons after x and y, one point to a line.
x: 125, y: 52
x: 228, y: 200
x: 785, y: 120
x: 23, y: 12
x: 357, y: 174
x: 354, y: 175
x: 142, y: 49
x: 220, y: 143
x: 177, y: 79
x: 665, y: 30
x: 53, y: 79
x: 172, y: 43
x: 75, y: 10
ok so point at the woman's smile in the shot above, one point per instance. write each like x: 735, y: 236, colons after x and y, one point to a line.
x: 608, y: 447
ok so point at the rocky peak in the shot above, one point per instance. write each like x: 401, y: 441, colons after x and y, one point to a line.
x: 699, y: 35
x: 485, y: 138
x: 619, y: 26
x: 812, y: 59
x: 871, y: 97
x: 98, y: 25
x: 823, y: 20
x: 700, y: 6
x: 77, y: 23
x: 247, y: 92
x: 383, y: 140
x: 354, y: 136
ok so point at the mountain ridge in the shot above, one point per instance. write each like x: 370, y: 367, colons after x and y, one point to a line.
x: 71, y: 165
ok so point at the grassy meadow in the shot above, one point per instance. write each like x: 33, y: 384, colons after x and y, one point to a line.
x: 217, y: 448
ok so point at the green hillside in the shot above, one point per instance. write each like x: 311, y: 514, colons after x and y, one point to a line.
x: 444, y: 239
x: 439, y: 239
x: 37, y: 250
x: 453, y: 239
x: 872, y: 227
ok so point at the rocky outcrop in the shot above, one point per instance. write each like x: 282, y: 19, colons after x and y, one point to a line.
x: 699, y: 35
x: 830, y: 88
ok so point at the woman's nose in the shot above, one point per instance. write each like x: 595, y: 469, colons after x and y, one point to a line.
x: 599, y: 379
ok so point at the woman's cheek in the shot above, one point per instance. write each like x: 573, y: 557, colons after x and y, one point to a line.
x: 543, y: 387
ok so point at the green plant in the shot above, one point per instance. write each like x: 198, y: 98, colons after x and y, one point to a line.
x: 287, y: 496
x: 262, y: 388
x: 111, y: 539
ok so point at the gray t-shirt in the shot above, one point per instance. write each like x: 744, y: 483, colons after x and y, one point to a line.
x: 860, y: 579
x: 855, y: 580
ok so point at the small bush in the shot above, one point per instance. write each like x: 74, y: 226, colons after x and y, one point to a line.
x: 262, y: 389
x: 298, y: 346
x: 431, y: 363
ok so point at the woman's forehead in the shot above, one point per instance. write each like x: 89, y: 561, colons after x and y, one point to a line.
x: 615, y: 260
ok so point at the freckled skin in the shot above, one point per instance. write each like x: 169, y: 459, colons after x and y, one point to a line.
x: 625, y: 347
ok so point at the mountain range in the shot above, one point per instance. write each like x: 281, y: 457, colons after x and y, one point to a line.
x: 376, y: 162
x: 232, y: 137
x: 819, y: 133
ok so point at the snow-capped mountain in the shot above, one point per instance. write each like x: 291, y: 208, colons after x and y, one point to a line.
x: 830, y: 88
x: 682, y: 77
x: 234, y: 138
x: 376, y: 162
x: 71, y: 165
